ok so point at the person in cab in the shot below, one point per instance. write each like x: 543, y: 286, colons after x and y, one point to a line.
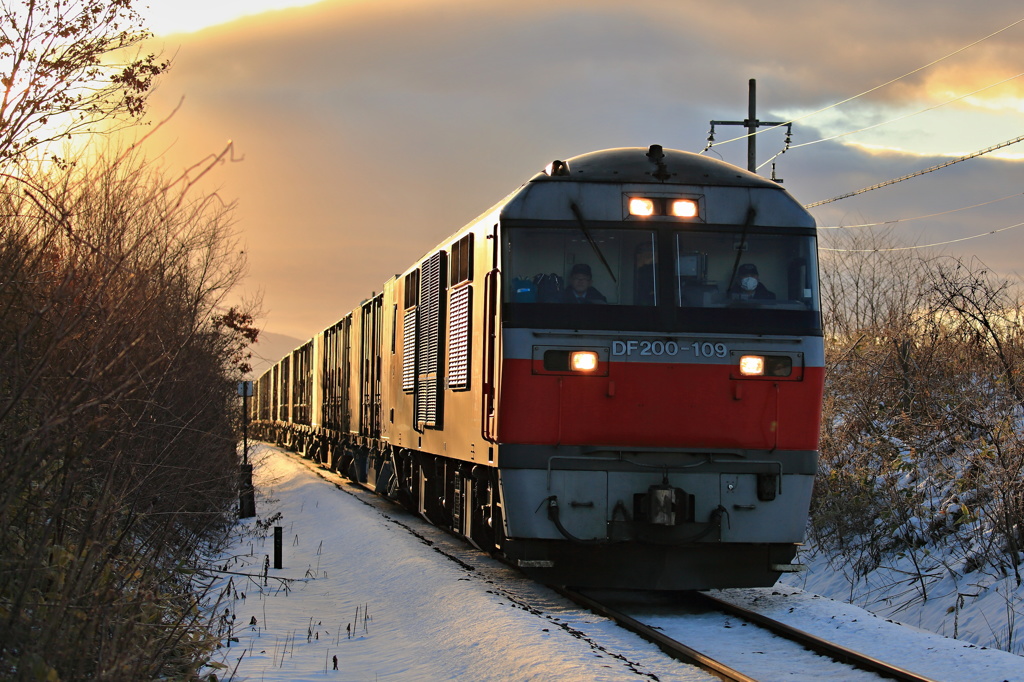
x: 580, y: 289
x: 749, y: 285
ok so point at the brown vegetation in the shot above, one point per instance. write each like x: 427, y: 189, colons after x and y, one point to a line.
x: 117, y: 407
x: 117, y: 418
x: 921, y: 439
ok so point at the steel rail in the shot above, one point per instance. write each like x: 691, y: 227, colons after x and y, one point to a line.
x: 815, y: 643
x: 676, y: 650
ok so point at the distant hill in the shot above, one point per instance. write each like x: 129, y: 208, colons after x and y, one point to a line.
x: 269, y: 349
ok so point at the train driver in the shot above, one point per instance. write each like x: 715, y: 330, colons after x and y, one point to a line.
x: 579, y: 289
x: 749, y: 286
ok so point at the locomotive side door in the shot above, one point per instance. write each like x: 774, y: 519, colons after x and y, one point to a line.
x: 491, y: 339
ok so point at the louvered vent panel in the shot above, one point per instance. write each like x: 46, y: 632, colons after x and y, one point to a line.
x: 458, y: 338
x: 428, y: 342
x: 409, y: 351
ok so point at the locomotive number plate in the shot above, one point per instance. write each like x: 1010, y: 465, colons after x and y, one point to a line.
x: 644, y: 347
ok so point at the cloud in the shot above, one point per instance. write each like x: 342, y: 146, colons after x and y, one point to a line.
x: 194, y: 15
x: 372, y: 130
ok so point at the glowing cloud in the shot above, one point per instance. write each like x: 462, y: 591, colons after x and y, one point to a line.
x: 186, y: 16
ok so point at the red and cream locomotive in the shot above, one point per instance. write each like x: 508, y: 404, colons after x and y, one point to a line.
x: 612, y: 378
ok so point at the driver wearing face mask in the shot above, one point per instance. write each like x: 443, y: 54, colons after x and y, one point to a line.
x: 748, y: 284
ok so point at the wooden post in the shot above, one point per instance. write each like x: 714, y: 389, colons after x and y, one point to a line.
x: 278, y: 546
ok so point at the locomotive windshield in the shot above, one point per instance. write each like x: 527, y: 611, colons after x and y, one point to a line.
x: 715, y: 269
x: 613, y: 267
x: 723, y: 279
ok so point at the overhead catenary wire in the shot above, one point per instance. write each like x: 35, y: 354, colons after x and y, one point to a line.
x: 921, y: 217
x: 932, y: 169
x: 924, y: 246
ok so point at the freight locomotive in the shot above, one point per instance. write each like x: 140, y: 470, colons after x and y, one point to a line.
x: 612, y: 378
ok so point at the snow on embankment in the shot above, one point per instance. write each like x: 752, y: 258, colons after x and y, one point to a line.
x: 394, y: 598
x: 399, y: 604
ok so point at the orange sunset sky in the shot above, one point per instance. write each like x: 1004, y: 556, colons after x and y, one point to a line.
x: 366, y: 131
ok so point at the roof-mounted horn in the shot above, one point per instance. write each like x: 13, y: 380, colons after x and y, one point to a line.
x: 556, y: 168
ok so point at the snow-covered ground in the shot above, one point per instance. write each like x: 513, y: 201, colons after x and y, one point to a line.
x: 395, y: 599
x: 929, y: 591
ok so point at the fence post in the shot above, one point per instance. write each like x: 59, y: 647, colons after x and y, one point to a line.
x: 278, y: 544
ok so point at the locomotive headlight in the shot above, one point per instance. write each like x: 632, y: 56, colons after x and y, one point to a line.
x: 752, y: 365
x: 665, y: 207
x: 570, y: 361
x: 583, y: 361
x: 640, y: 206
x: 683, y: 208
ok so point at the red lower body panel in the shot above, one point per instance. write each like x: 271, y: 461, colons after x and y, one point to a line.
x: 659, y: 405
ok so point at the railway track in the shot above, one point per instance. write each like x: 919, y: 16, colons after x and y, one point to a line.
x: 846, y: 660
x: 716, y: 645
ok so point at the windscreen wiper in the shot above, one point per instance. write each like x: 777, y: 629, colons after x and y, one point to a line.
x: 593, y: 244
x: 751, y: 213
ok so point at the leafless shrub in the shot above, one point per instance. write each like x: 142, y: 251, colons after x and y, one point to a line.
x: 117, y: 409
x: 922, y: 412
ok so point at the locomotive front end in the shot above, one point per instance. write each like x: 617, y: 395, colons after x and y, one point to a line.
x: 659, y: 394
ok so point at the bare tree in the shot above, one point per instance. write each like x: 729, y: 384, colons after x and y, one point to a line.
x: 866, y: 283
x: 920, y: 437
x: 66, y: 66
